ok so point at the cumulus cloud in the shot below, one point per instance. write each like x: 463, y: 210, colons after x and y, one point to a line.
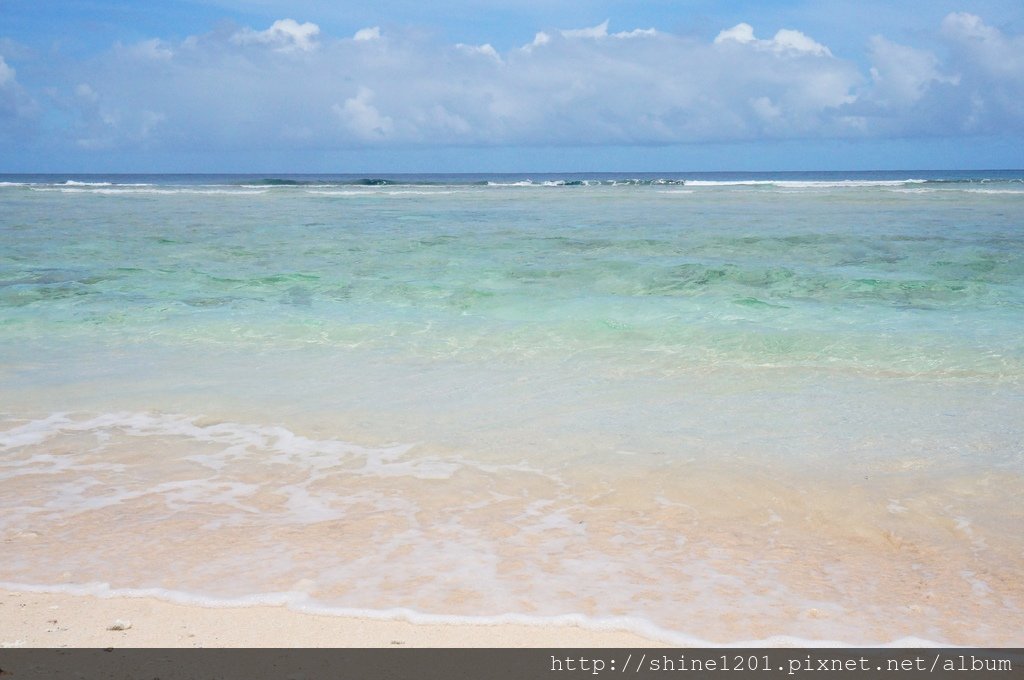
x: 962, y: 25
x: 636, y: 33
x: 599, y: 31
x: 985, y: 52
x: 285, y: 35
x: 372, y: 33
x: 901, y: 75
x: 236, y: 88
x: 486, y: 50
x: 985, y: 48
x: 102, y: 125
x: 785, y: 40
x: 155, y: 49
x: 6, y: 73
x: 540, y: 39
x: 362, y: 118
x: 977, y: 89
x: 990, y: 67
x: 741, y: 33
x: 17, y: 107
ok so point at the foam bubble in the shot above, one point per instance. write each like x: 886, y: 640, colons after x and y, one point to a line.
x: 381, y: 192
x: 243, y: 511
x: 342, y: 192
x: 274, y: 445
x: 131, y: 191
x: 804, y: 184
x: 728, y: 183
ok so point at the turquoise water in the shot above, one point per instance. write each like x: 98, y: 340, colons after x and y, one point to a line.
x: 645, y: 400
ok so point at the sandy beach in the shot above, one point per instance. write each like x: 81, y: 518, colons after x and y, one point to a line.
x: 61, y: 620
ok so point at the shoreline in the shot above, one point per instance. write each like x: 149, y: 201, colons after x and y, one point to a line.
x: 36, y: 617
x: 53, y: 619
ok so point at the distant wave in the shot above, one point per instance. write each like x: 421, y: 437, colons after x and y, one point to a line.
x: 549, y: 183
x: 274, y: 182
x: 806, y: 184
x: 587, y: 182
x: 369, y: 192
x: 358, y: 182
x: 126, y: 189
x: 992, y: 183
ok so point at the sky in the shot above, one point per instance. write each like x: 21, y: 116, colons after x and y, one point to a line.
x: 487, y: 86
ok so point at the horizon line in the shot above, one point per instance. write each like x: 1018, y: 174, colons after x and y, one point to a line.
x: 369, y: 173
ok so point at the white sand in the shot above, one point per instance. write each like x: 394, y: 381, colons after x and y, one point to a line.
x: 60, y: 620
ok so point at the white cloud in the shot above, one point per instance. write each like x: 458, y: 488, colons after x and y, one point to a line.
x: 540, y: 39
x: 486, y: 50
x: 372, y: 33
x: 785, y: 40
x: 741, y: 33
x: 284, y: 35
x: 970, y: 26
x: 636, y: 33
x: 901, y: 75
x: 985, y: 48
x: 975, y: 85
x: 577, y: 86
x: 441, y: 119
x: 363, y: 119
x: 6, y: 73
x: 103, y: 125
x: 766, y: 108
x: 599, y: 31
x: 17, y: 107
x: 596, y: 33
x: 989, y: 66
x: 155, y: 49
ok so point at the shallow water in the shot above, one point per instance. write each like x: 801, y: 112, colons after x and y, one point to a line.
x: 713, y: 408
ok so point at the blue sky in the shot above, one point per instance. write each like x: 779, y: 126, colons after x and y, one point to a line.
x: 459, y: 86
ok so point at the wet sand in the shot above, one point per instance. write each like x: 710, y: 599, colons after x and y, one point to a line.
x: 62, y: 620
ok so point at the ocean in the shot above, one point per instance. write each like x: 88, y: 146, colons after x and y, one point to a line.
x: 719, y: 408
